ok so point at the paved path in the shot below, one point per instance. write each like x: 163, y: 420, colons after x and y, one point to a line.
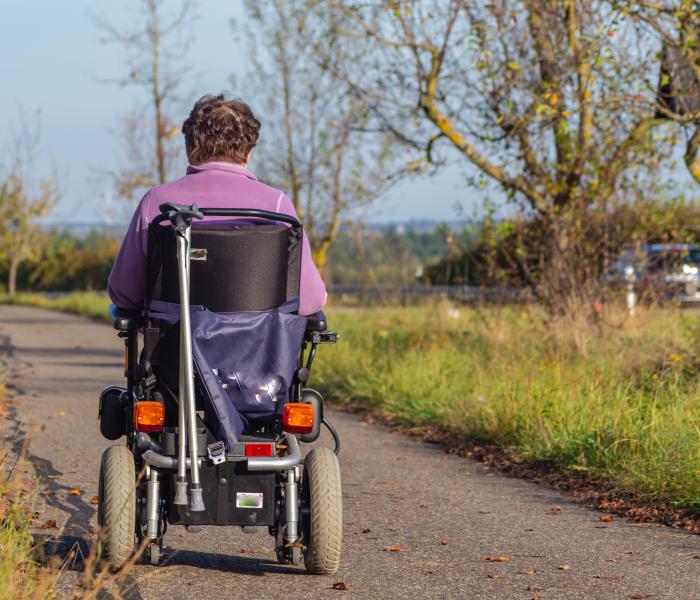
x: 448, y: 512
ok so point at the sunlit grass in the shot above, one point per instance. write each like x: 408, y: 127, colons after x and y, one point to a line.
x: 624, y: 407
x: 89, y: 304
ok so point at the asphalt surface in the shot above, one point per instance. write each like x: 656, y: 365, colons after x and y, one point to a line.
x: 448, y: 513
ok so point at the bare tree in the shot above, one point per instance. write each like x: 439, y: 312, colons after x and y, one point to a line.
x: 24, y: 201
x: 155, y: 62
x: 312, y: 143
x: 673, y: 28
x: 539, y: 98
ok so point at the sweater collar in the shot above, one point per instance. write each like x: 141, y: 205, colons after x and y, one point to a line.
x: 221, y: 166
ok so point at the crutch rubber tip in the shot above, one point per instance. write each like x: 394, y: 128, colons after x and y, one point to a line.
x: 196, y: 501
x: 180, y: 493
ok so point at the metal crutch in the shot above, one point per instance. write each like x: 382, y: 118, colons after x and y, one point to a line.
x: 180, y: 496
x: 186, y: 372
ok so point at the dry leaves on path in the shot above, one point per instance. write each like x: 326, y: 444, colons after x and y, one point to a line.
x: 395, y: 549
x: 94, y: 500
x: 496, y: 558
x: 340, y: 585
x: 75, y: 492
x: 564, y: 567
x: 443, y: 542
x: 49, y: 524
x: 606, y: 518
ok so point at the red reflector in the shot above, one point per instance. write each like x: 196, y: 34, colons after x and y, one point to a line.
x: 258, y: 449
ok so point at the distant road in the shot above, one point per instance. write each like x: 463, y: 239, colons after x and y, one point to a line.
x: 448, y: 514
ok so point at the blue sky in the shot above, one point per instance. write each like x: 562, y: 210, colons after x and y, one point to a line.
x: 53, y: 59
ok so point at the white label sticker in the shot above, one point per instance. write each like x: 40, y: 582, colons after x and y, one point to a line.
x: 249, y: 500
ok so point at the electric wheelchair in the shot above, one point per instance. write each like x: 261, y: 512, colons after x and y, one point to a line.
x: 216, y: 401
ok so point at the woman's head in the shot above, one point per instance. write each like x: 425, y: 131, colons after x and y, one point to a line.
x: 220, y: 130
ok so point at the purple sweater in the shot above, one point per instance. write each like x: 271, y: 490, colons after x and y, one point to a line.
x: 210, y: 185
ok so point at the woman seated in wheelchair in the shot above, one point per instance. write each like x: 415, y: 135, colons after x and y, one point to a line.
x: 217, y: 275
x: 220, y: 136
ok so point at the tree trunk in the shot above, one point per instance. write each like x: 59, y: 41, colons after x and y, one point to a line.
x: 12, y: 277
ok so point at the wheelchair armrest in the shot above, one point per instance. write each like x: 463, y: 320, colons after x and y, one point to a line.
x: 316, y: 322
x: 125, y: 320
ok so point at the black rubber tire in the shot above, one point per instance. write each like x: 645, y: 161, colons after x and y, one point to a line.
x: 116, y: 507
x: 323, y: 521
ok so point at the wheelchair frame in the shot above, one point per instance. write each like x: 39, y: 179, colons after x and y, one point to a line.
x: 152, y: 509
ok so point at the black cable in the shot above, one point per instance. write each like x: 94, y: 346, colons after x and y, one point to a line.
x: 334, y: 433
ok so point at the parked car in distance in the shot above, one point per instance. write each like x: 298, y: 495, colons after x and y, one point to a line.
x: 659, y: 272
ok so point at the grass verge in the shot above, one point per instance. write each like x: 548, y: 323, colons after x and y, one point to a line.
x: 87, y: 304
x: 620, y: 407
x: 21, y: 575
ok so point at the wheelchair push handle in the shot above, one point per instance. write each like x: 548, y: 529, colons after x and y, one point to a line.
x: 169, y: 211
x: 180, y: 215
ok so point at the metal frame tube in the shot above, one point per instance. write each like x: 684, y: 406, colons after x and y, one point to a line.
x: 152, y: 506
x: 180, y: 496
x: 155, y: 459
x: 278, y: 463
x: 183, y: 254
x: 291, y: 507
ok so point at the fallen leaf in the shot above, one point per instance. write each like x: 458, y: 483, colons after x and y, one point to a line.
x: 556, y: 511
x: 641, y: 596
x: 49, y: 524
x: 495, y: 576
x: 75, y: 492
x: 428, y: 573
x: 608, y: 577
x: 340, y: 585
x: 54, y: 476
x: 368, y: 530
x: 496, y: 558
x: 533, y: 588
x: 94, y: 500
x: 395, y: 549
x: 527, y: 572
x: 606, y: 518
x: 443, y: 542
x: 564, y: 567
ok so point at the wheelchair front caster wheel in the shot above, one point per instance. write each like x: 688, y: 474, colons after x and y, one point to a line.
x: 322, y: 512
x: 116, y: 505
x: 152, y: 554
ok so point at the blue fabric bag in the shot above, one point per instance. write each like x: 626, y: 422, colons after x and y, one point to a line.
x: 245, y: 362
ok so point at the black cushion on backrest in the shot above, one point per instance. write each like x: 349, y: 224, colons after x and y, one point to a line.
x: 248, y: 265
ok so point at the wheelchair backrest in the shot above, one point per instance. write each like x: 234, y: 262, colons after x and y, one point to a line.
x: 235, y: 265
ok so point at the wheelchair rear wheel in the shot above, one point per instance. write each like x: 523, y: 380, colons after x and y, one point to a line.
x: 322, y: 512
x: 116, y: 506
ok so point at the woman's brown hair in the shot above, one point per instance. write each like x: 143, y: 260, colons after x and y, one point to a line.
x: 220, y: 130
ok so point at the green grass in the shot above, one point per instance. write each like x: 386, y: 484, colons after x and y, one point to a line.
x: 623, y: 406
x: 21, y: 576
x: 88, y: 304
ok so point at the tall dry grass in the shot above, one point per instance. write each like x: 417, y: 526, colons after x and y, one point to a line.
x: 623, y: 404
